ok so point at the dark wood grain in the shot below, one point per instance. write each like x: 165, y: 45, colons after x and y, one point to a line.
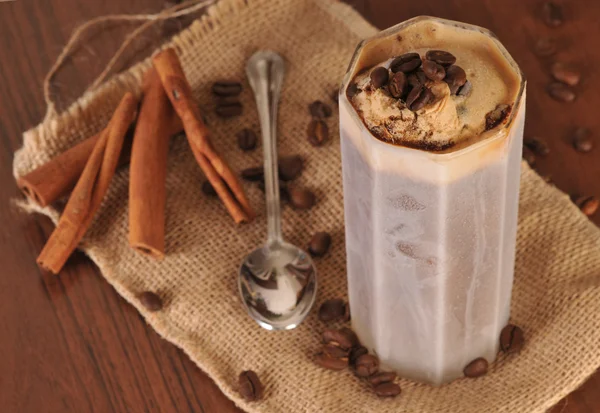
x: 70, y: 343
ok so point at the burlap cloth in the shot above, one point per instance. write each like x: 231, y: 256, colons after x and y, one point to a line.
x: 557, y: 281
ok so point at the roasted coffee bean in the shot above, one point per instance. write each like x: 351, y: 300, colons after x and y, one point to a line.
x: 387, y: 390
x: 423, y: 100
x: 397, y: 85
x: 319, y: 110
x: 382, y: 377
x: 414, y: 95
x: 250, y: 386
x: 301, y: 198
x: 588, y: 205
x: 441, y: 57
x: 552, y: 14
x: 247, y: 139
x: 254, y: 174
x: 356, y: 352
x: 379, y: 77
x: 335, y: 351
x: 537, y: 145
x: 227, y: 88
x: 417, y: 78
x: 332, y: 310
x: 511, y: 339
x: 545, y: 47
x: 561, y: 92
x: 229, y: 110
x: 497, y: 116
x: 284, y: 194
x: 150, y: 301
x: 317, y: 132
x: 331, y: 363
x: 352, y: 90
x: 340, y: 338
x: 476, y: 368
x: 350, y: 334
x: 290, y: 167
x: 455, y: 77
x: 335, y: 96
x: 406, y: 63
x: 582, y: 140
x: 433, y: 70
x: 528, y: 156
x: 208, y: 189
x: 466, y: 89
x: 366, y: 365
x: 319, y: 244
x: 565, y: 73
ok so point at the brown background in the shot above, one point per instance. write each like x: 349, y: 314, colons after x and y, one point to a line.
x: 70, y: 343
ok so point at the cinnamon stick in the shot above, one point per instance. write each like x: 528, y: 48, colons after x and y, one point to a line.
x: 215, y: 168
x: 90, y: 189
x: 148, y: 169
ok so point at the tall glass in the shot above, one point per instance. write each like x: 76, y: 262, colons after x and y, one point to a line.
x: 430, y: 237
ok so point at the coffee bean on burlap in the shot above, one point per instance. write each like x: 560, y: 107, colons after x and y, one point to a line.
x: 356, y: 352
x: 379, y: 77
x: 497, y: 116
x: 302, y: 198
x: 208, y: 189
x: 441, y: 57
x: 250, y: 387
x: 406, y: 63
x: 150, y: 301
x: 582, y: 141
x: 588, y: 204
x: 319, y: 244
x: 565, y: 73
x: 335, y: 351
x: 290, y: 167
x: 366, y: 365
x: 284, y: 194
x: 341, y: 338
x: 319, y: 110
x: 433, y: 70
x: 561, y: 92
x: 332, y: 310
x: 397, y: 85
x: 247, y: 139
x: 253, y: 174
x: 229, y: 109
x: 227, y: 88
x: 387, y: 390
x: 537, y: 145
x: 455, y: 77
x: 552, y: 14
x: 331, y: 363
x: 382, y: 377
x: 317, y: 132
x: 476, y: 368
x: 511, y: 339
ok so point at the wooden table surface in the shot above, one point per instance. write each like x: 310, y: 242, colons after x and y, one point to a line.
x: 70, y: 343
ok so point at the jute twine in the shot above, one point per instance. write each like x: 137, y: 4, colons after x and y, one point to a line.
x: 556, y: 296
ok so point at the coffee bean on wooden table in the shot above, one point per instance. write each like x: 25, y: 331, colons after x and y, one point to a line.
x: 382, y: 377
x: 227, y: 88
x: 397, y: 85
x: 588, y: 204
x: 335, y: 351
x: 247, y: 139
x: 476, y: 368
x: 207, y: 189
x: 406, y: 63
x: 290, y: 167
x: 537, y: 145
x: 497, y: 116
x: 319, y: 110
x: 331, y: 363
x: 433, y: 70
x: 552, y: 14
x: 441, y: 57
x: 528, y: 156
x: 150, y: 301
x: 340, y: 338
x: 319, y: 244
x: 253, y: 174
x: 302, y: 198
x: 545, y: 47
x: 561, y: 92
x: 317, y: 132
x: 387, y: 390
x: 366, y: 365
x: 565, y: 73
x: 511, y: 339
x: 250, y: 386
x: 229, y: 109
x: 379, y: 77
x: 582, y: 140
x: 455, y: 77
x: 356, y: 352
x: 332, y: 310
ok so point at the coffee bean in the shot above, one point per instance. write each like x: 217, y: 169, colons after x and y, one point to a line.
x: 476, y: 368
x: 528, y: 156
x: 565, y: 73
x: 319, y: 110
x: 414, y: 95
x: 552, y: 14
x: 382, y: 377
x: 582, y: 141
x: 366, y: 365
x: 537, y: 145
x: 254, y: 174
x: 356, y: 352
x: 561, y: 92
x: 247, y: 139
x: 350, y: 334
x: 511, y: 339
x: 497, y: 116
x: 229, y: 110
x: 352, y: 90
x: 387, y: 390
x: 250, y: 386
x: 441, y: 57
x: 455, y: 77
x: 397, y: 85
x: 317, y: 132
x: 423, y: 100
x: 379, y: 77
x: 150, y: 301
x: 335, y: 96
x: 284, y: 194
x: 227, y: 88
x: 331, y: 363
x: 343, y: 338
x: 208, y: 189
x: 588, y: 205
x: 466, y: 89
x: 335, y: 351
x: 433, y: 70
x: 545, y: 47
x: 417, y: 78
x: 290, y: 167
x: 332, y: 310
x: 406, y: 63
x: 319, y: 244
x: 301, y: 198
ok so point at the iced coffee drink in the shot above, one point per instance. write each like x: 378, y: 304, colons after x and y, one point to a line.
x: 431, y: 120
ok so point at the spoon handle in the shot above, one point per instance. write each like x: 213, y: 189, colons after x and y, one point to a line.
x: 265, y: 71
